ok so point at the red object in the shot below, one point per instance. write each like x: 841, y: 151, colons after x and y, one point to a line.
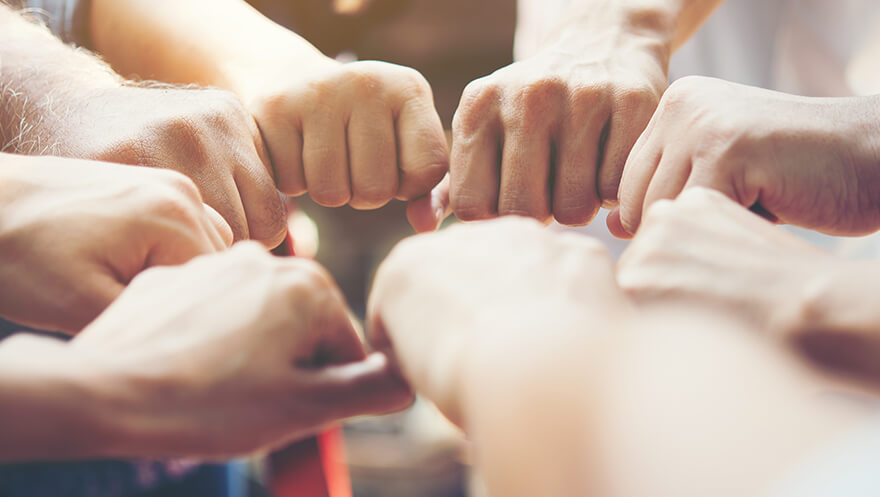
x: 314, y: 467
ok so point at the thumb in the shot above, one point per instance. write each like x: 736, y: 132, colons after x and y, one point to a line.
x: 615, y: 225
x: 426, y: 213
x: 370, y: 386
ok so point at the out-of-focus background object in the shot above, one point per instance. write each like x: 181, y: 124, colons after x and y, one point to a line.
x: 452, y: 42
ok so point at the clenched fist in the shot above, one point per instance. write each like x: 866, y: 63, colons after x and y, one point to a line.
x: 805, y: 161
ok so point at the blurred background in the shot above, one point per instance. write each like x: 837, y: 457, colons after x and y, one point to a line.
x: 451, y: 42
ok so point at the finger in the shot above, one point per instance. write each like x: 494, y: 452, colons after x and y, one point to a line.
x: 175, y: 248
x: 226, y: 200
x: 370, y: 386
x: 575, y: 200
x: 637, y: 174
x: 670, y: 177
x: 325, y: 160
x: 615, y: 225
x: 262, y: 205
x: 217, y: 228
x: 474, y: 166
x: 627, y: 123
x: 335, y: 338
x: 708, y: 175
x: 424, y: 153
x: 284, y: 145
x: 427, y: 213
x: 525, y: 173
x: 373, y: 157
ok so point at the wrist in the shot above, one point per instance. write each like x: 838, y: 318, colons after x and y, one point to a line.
x: 284, y: 55
x: 644, y: 27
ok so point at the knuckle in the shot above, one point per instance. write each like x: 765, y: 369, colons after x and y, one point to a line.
x: 364, y: 79
x: 181, y: 184
x: 479, y: 100
x: 635, y: 98
x: 681, y: 92
x: 518, y: 206
x: 331, y: 196
x: 575, y: 214
x: 529, y: 103
x: 468, y: 207
x: 372, y: 196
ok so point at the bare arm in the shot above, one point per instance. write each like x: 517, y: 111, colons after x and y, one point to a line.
x: 62, y: 101
x: 197, y: 41
x: 692, y: 407
x: 673, y: 21
x: 39, y: 77
x: 566, y: 388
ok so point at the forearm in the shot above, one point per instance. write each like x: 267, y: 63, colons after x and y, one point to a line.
x: 39, y: 77
x: 209, y: 42
x: 664, y: 24
x: 49, y: 411
x: 583, y: 416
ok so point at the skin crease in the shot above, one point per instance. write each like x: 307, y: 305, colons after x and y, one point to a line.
x: 228, y: 345
x: 547, y: 136
x: 360, y: 134
x: 551, y: 369
x: 58, y: 101
x: 805, y: 161
x: 73, y: 233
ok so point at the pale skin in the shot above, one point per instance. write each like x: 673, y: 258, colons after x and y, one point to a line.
x: 58, y: 101
x: 705, y: 250
x: 547, y: 137
x: 360, y: 134
x: 811, y: 162
x: 74, y: 233
x: 568, y: 388
x: 225, y: 356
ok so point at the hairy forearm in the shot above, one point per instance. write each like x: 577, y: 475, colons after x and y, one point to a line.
x: 582, y: 415
x: 40, y: 75
x: 210, y: 42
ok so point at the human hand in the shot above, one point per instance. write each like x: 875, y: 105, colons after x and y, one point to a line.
x: 548, y: 136
x: 205, y: 134
x: 226, y: 355
x: 360, y: 134
x: 73, y: 233
x: 441, y: 303
x: 704, y: 249
x: 808, y: 162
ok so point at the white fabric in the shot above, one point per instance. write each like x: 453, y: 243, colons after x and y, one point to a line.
x: 808, y: 47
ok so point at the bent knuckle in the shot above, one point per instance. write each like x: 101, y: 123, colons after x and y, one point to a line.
x: 472, y: 207
x: 330, y: 195
x: 529, y: 104
x: 479, y: 100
